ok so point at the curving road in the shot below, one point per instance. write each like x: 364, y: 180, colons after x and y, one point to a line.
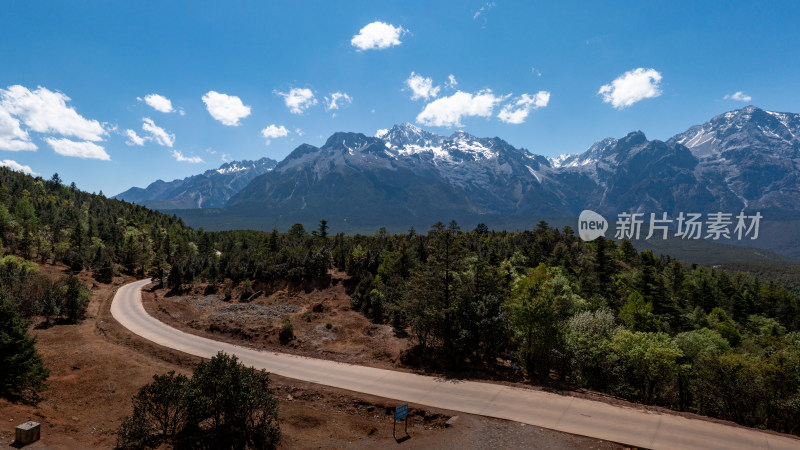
x: 568, y: 414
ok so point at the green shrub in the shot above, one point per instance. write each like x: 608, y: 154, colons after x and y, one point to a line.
x: 223, y: 405
x: 245, y: 290
x: 287, y: 330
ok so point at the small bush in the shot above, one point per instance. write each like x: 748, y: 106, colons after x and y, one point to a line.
x: 74, y: 260
x: 328, y: 325
x: 245, y: 291
x: 287, y: 330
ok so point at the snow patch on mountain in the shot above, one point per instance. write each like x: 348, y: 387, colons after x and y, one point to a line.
x: 558, y: 161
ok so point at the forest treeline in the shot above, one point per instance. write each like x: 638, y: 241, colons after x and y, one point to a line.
x: 599, y: 315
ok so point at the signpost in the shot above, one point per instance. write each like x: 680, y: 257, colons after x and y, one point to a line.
x: 400, y: 412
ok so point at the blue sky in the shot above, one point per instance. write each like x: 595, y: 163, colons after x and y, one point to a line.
x: 277, y: 66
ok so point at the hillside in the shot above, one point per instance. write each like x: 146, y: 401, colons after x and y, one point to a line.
x: 45, y: 221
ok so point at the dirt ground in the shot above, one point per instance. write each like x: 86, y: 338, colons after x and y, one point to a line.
x: 97, y: 366
x: 324, y: 325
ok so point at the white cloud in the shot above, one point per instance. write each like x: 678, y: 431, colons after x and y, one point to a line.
x: 298, y: 99
x: 15, y: 166
x: 225, y: 157
x: 87, y: 150
x: 273, y: 132
x: 517, y: 111
x: 228, y: 109
x: 45, y: 111
x: 299, y: 132
x: 381, y: 132
x: 157, y: 133
x: 451, y: 81
x: 421, y: 87
x: 336, y: 100
x: 377, y: 36
x: 12, y: 136
x: 739, y: 96
x: 190, y: 159
x: 134, y: 139
x: 486, y: 7
x: 448, y: 111
x: 159, y: 103
x: 631, y: 87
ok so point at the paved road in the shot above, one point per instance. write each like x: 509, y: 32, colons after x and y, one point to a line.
x: 569, y: 414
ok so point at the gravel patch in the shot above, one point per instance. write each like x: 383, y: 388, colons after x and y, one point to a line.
x: 248, y: 311
x: 209, y: 300
x: 322, y: 333
x: 200, y: 302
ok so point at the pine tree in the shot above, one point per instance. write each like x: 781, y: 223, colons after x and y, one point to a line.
x: 75, y: 297
x: 604, y: 266
x: 431, y: 298
x: 22, y: 373
x: 323, y: 229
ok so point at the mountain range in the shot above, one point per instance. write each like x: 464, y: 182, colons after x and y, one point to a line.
x: 211, y: 189
x: 745, y: 159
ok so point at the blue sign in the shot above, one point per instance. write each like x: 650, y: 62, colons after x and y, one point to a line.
x: 401, y: 412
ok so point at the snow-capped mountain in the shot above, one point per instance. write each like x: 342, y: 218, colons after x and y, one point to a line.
x: 749, y: 156
x: 743, y: 128
x: 635, y: 174
x: 743, y: 159
x: 211, y: 189
x: 594, y: 154
x: 407, y: 172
